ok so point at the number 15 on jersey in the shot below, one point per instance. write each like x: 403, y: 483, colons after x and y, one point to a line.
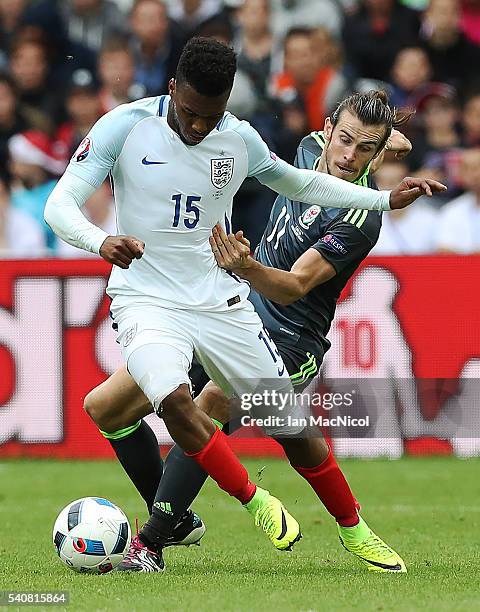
x: 188, y: 221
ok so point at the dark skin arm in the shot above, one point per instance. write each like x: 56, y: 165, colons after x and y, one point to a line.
x: 232, y: 252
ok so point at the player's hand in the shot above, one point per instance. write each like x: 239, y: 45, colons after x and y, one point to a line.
x: 399, y: 144
x: 410, y: 189
x: 231, y: 252
x: 121, y: 250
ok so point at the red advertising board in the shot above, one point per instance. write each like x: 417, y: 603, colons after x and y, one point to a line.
x: 412, y: 318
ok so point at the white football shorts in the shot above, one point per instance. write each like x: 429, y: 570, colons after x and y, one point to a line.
x: 158, y: 344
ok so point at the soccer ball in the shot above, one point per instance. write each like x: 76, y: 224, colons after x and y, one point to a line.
x: 91, y: 535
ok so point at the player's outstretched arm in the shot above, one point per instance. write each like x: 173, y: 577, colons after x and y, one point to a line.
x: 312, y: 187
x: 232, y: 252
x: 324, y: 190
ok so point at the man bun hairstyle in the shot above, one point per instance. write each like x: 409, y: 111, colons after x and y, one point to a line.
x: 373, y: 108
x: 208, y: 66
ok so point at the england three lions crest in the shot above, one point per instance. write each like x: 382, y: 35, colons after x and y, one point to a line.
x: 222, y: 171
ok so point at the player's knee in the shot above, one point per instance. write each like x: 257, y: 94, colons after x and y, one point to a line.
x: 177, y: 407
x: 101, y: 412
x: 92, y: 406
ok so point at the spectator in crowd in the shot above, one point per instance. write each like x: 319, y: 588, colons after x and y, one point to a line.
x: 454, y: 59
x: 12, y: 120
x: 255, y: 44
x: 436, y: 148
x: 407, y: 231
x: 410, y: 71
x: 29, y: 69
x: 66, y: 54
x: 35, y: 171
x: 328, y: 48
x: 11, y: 20
x: 116, y: 70
x: 471, y: 120
x: 21, y: 237
x: 458, y: 228
x: 438, y: 108
x: 243, y: 101
x: 291, y: 126
x: 319, y: 86
x: 100, y: 210
x: 373, y: 35
x: 191, y: 14
x: 287, y: 14
x: 91, y: 22
x: 156, y: 44
x: 84, y: 108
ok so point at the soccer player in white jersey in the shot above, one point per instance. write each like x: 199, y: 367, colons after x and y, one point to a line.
x: 176, y: 162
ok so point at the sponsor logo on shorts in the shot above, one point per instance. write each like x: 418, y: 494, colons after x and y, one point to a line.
x: 130, y: 335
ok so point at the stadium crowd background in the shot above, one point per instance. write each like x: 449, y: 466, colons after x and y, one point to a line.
x: 64, y: 63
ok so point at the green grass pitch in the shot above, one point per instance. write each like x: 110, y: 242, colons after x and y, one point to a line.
x: 428, y: 509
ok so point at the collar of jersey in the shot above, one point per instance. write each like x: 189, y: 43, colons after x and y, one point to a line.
x: 319, y: 137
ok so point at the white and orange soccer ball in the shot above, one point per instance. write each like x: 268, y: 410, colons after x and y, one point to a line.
x: 91, y: 535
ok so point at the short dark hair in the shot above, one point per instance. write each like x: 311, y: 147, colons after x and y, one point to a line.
x: 373, y: 108
x: 208, y: 66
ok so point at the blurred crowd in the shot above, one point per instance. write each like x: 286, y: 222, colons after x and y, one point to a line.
x: 63, y: 63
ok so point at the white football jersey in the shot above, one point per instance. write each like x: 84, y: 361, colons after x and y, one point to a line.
x: 170, y: 195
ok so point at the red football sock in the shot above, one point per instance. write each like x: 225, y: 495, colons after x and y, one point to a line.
x: 219, y: 461
x: 329, y: 483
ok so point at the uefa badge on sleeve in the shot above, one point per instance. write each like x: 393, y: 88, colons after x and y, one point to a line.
x: 83, y: 150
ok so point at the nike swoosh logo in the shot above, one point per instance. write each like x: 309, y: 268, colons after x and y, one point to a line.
x: 284, y: 527
x: 281, y: 371
x: 397, y: 567
x: 147, y: 162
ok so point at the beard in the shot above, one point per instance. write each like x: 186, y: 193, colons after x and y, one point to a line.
x: 328, y: 165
